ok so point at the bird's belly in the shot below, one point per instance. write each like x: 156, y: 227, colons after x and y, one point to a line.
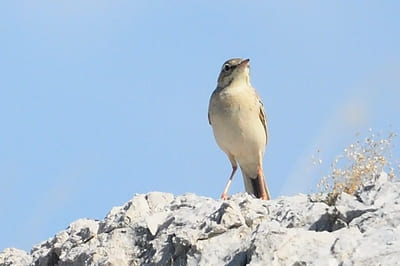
x: 239, y: 133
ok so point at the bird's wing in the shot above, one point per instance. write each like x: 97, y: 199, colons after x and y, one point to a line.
x: 213, y: 95
x: 263, y: 118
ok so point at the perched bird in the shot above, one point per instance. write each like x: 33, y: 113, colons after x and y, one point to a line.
x: 238, y: 120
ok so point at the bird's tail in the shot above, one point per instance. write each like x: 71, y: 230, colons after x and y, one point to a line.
x: 253, y: 185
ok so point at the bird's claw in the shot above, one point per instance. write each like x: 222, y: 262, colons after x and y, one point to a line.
x: 224, y: 196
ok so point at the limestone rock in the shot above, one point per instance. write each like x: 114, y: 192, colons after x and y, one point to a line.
x: 13, y: 256
x: 161, y: 229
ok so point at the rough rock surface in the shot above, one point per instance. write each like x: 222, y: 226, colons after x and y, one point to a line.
x: 161, y: 229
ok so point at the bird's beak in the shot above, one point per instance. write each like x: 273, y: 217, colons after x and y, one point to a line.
x: 245, y: 62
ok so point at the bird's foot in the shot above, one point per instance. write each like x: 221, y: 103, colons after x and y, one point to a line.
x: 265, y: 197
x: 224, y: 196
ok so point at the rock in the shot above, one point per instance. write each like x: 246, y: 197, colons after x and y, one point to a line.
x: 13, y: 256
x: 161, y: 229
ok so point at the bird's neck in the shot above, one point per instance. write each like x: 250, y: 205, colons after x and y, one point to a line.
x: 238, y: 85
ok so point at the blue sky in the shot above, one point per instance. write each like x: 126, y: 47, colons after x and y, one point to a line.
x: 100, y: 100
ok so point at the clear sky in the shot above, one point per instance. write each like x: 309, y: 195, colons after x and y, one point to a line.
x: 100, y: 100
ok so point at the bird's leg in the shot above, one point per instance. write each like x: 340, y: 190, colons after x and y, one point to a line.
x: 264, y: 189
x: 224, y: 195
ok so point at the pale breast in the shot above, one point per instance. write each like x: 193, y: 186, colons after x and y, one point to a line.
x: 237, y: 127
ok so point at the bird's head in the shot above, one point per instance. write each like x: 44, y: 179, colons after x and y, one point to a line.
x: 234, y: 70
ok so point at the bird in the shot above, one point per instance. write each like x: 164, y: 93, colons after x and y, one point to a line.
x: 238, y: 120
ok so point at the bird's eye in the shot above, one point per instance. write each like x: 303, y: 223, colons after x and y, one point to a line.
x: 226, y: 67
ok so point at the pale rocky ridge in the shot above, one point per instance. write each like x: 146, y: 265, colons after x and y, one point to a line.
x: 163, y: 229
